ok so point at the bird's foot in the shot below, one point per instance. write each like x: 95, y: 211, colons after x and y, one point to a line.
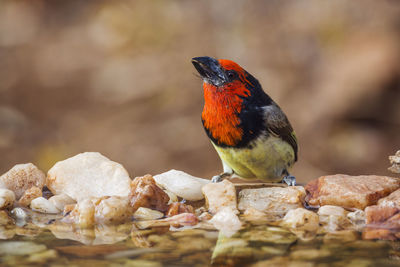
x: 290, y: 180
x: 218, y: 178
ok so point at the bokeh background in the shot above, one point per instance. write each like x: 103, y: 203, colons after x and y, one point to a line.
x: 115, y: 77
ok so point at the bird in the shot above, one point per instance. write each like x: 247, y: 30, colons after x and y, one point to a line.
x: 251, y: 134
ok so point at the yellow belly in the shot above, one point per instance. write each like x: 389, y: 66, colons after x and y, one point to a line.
x: 266, y: 160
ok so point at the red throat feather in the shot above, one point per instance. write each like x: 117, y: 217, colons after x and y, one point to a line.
x: 222, y: 106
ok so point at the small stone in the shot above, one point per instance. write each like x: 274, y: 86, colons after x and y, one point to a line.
x: 357, y: 218
x: 82, y: 214
x: 392, y: 200
x: 43, y: 205
x: 226, y: 221
x: 302, y: 222
x: 29, y: 195
x: 87, y: 175
x: 177, y: 208
x: 341, y: 236
x: 257, y: 217
x: 350, y: 191
x: 20, y: 216
x: 219, y: 196
x: 333, y: 218
x: 378, y: 214
x: 22, y: 177
x: 145, y: 193
x: 147, y: 214
x: 182, y: 184
x: 183, y: 219
x: 273, y: 200
x: 112, y: 210
x: 20, y: 248
x: 7, y: 198
x: 60, y: 201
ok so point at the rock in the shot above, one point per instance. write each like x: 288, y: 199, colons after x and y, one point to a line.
x: 357, y: 218
x: 226, y: 221
x: 257, y: 217
x: 86, y: 175
x: 182, y: 184
x: 147, y: 214
x: 350, y: 191
x: 60, y: 201
x: 392, y: 200
x: 219, y: 196
x: 82, y: 214
x: 29, y: 195
x: 22, y: 177
x: 183, y: 219
x: 112, y: 210
x: 43, y: 205
x: 145, y: 193
x: 274, y: 201
x: 177, y: 208
x: 302, y: 222
x: 20, y: 216
x: 395, y: 161
x: 333, y: 218
x: 7, y: 198
x: 378, y: 214
x: 20, y: 248
x: 341, y: 236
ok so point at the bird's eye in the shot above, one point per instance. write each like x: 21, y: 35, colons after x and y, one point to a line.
x: 232, y: 74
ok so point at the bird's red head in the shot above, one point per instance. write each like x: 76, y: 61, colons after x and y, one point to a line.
x: 226, y: 85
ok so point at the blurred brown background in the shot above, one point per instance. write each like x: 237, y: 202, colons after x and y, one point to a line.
x: 115, y: 77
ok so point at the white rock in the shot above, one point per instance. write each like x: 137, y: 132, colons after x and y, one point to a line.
x: 59, y: 201
x: 43, y: 205
x: 302, y: 222
x: 20, y: 216
x: 272, y: 200
x: 301, y: 219
x: 226, y: 221
x: 88, y: 174
x: 147, y: 214
x: 7, y: 198
x: 333, y: 218
x: 112, y: 210
x: 22, y: 177
x: 182, y: 184
x: 219, y: 196
x: 83, y: 213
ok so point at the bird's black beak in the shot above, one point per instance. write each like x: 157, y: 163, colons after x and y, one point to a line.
x: 210, y: 70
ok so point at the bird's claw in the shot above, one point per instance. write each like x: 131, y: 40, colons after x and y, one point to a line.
x: 218, y: 178
x: 290, y: 180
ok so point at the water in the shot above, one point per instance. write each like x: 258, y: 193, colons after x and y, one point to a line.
x: 57, y: 244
